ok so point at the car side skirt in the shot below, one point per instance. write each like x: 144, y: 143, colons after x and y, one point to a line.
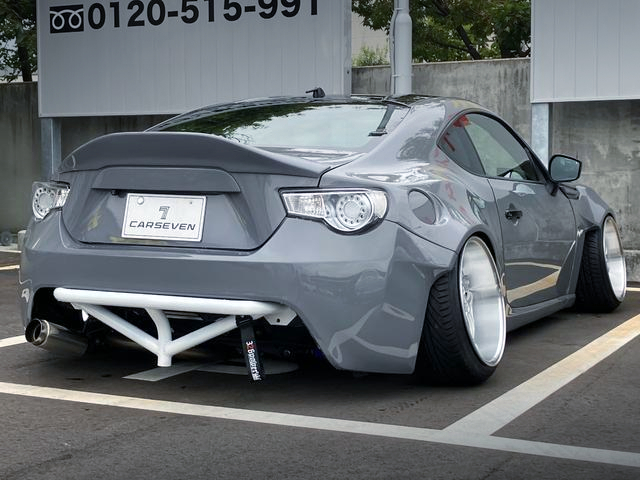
x: 524, y: 315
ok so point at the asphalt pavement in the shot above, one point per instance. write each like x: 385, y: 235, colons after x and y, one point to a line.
x: 563, y: 404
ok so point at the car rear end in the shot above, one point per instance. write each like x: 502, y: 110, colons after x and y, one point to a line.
x: 181, y: 223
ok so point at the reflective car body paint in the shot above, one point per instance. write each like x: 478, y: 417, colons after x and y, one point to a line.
x: 361, y: 296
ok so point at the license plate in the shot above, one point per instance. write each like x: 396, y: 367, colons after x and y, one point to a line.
x: 163, y: 217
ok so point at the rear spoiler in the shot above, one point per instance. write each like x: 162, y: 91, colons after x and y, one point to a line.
x: 178, y: 149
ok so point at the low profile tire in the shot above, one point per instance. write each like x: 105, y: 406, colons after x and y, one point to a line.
x: 465, y: 327
x: 602, y: 282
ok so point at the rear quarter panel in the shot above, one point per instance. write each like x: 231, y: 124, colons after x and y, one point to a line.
x: 409, y: 160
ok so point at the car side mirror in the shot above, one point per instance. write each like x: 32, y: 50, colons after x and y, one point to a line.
x: 564, y: 169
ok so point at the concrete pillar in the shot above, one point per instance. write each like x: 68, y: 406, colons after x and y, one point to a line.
x: 51, y: 147
x: 400, y: 38
x: 541, y: 130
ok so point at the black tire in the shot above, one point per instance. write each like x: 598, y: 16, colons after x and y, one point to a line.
x: 594, y: 292
x: 446, y: 354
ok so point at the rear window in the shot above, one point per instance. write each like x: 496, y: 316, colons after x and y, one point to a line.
x: 334, y: 126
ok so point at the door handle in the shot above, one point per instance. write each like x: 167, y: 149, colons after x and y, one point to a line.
x: 513, y: 215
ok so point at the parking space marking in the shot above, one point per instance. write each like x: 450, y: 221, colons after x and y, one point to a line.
x: 503, y: 410
x: 162, y: 373
x: 8, y: 342
x: 463, y: 439
x: 475, y: 430
x: 10, y: 267
x: 228, y: 367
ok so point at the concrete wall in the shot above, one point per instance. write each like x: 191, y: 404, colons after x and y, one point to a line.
x: 19, y: 152
x: 500, y: 85
x: 604, y: 135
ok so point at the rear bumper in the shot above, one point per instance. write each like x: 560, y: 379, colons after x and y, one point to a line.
x: 362, y: 297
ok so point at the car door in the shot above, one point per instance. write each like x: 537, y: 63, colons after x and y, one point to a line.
x: 537, y: 222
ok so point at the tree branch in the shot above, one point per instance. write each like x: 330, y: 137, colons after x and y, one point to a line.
x: 441, y: 7
x: 25, y: 65
x: 439, y: 43
x: 462, y: 33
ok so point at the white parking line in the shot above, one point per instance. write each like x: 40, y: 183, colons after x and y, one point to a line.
x: 465, y: 439
x: 474, y: 430
x: 8, y: 342
x: 162, y: 373
x: 503, y: 410
x: 228, y: 367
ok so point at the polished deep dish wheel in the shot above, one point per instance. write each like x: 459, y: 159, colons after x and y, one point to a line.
x: 465, y: 328
x: 482, y: 302
x: 614, y: 259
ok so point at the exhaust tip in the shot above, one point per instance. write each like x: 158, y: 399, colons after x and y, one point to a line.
x: 55, y: 338
x: 37, y: 332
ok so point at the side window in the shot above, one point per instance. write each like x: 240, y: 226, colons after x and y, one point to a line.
x: 456, y: 144
x: 501, y: 154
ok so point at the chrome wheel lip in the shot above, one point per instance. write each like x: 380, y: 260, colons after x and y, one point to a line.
x: 482, y: 302
x: 614, y: 258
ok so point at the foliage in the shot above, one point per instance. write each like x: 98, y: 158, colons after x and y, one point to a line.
x: 446, y: 30
x: 18, y: 39
x: 368, y: 57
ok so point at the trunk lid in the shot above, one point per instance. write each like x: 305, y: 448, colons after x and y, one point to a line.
x: 179, y: 189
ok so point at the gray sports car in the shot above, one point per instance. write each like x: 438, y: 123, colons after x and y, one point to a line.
x: 397, y: 235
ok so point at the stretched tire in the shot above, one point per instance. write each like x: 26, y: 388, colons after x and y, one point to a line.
x: 602, y: 282
x: 465, y: 327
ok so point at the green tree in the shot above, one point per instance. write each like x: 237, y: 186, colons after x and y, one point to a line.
x: 18, y: 39
x: 368, y: 56
x: 445, y: 30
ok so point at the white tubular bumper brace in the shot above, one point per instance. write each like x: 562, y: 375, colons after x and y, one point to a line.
x: 93, y: 302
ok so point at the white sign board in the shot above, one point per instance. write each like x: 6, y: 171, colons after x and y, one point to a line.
x: 584, y: 50
x: 135, y: 57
